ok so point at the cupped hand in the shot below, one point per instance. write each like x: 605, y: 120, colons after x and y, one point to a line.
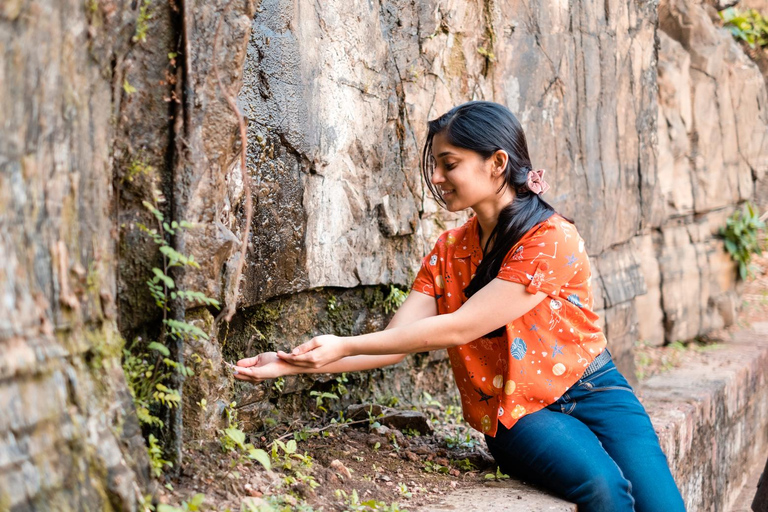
x: 317, y: 352
x: 261, y: 367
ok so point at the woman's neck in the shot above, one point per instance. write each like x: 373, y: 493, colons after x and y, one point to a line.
x: 488, y: 216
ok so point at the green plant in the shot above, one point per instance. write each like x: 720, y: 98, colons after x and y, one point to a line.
x: 394, y: 300
x: 232, y: 439
x: 128, y: 88
x: 286, y: 454
x: 321, y: 396
x: 144, y: 373
x: 193, y: 505
x: 404, y: 490
x: 142, y: 23
x: 498, y: 475
x: 352, y: 503
x: 432, y: 467
x: 156, y: 460
x: 741, y: 234
x: 463, y: 465
x: 748, y: 26
x: 149, y: 367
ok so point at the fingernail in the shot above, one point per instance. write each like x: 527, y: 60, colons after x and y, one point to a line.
x: 235, y: 370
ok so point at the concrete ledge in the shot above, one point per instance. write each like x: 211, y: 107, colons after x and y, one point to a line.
x: 712, y: 422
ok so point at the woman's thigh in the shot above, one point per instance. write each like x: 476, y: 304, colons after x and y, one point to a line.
x: 558, y: 452
x: 608, y: 406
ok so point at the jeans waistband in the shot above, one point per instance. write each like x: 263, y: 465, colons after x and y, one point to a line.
x: 600, y: 361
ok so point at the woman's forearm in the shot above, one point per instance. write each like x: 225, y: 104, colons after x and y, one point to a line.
x: 433, y: 333
x: 354, y: 364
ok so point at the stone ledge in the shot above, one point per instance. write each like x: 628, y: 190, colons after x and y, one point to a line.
x: 712, y: 422
x: 712, y: 419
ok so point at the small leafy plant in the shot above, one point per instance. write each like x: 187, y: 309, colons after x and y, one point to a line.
x: 394, y: 300
x: 497, y: 476
x: 748, y: 26
x: 741, y: 234
x: 148, y: 367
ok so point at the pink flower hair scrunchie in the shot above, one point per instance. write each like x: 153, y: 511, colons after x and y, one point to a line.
x: 536, y: 183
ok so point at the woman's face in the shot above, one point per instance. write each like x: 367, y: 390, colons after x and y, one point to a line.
x: 465, y: 179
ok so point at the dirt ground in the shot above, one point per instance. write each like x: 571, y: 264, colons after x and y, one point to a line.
x: 362, y: 466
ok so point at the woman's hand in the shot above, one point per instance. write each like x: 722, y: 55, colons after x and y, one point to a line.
x: 317, y: 352
x: 262, y: 367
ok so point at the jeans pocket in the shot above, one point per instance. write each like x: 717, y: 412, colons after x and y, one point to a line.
x: 609, y: 380
x: 612, y: 388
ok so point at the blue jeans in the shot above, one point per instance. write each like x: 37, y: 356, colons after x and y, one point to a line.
x: 595, y: 447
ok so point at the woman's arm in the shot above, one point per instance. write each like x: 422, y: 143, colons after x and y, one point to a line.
x: 268, y: 366
x: 496, y: 304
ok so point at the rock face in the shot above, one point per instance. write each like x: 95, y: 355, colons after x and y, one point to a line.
x: 649, y: 148
x: 338, y: 97
x: 69, y: 437
x: 712, y: 154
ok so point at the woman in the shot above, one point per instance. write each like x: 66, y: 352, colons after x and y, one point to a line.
x: 508, y: 294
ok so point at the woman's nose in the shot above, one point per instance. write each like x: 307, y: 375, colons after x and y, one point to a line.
x: 437, y: 176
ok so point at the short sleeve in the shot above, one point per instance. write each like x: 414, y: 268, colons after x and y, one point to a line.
x: 547, y: 260
x: 425, y: 279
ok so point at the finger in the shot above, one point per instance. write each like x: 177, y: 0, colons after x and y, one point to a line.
x: 248, y: 361
x: 285, y: 355
x: 246, y: 374
x: 246, y: 378
x: 306, y: 347
x: 308, y: 360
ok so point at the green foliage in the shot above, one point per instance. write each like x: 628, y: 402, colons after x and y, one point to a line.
x: 232, y: 439
x: 741, y: 236
x: 136, y: 168
x: 128, y: 88
x: 279, y: 503
x: 748, y: 26
x: 353, y: 503
x: 463, y: 465
x: 144, y: 373
x: 156, y: 461
x: 320, y: 396
x: 433, y: 467
x: 490, y: 57
x: 497, y: 476
x: 148, y: 367
x: 394, y: 300
x: 142, y: 23
x: 192, y: 505
x: 460, y: 440
x: 288, y: 457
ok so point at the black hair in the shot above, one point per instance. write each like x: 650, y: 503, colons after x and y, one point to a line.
x: 485, y: 128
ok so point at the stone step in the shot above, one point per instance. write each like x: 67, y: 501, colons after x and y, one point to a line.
x: 712, y: 420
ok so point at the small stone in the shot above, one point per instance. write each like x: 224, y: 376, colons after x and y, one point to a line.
x: 410, y: 456
x: 340, y: 468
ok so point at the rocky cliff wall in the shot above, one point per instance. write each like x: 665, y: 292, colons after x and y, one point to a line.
x: 648, y: 118
x: 69, y: 437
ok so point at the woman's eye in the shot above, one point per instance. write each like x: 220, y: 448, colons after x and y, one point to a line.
x: 449, y: 167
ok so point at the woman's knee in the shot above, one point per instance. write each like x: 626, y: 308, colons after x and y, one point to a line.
x: 603, y: 492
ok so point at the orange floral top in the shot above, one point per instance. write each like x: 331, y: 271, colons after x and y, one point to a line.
x: 542, y: 353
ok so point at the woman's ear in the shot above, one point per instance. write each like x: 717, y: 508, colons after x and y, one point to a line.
x: 500, y: 159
